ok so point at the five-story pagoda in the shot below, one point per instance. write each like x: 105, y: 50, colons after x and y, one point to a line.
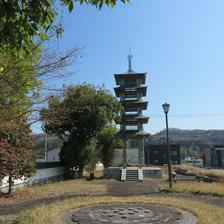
x: 131, y: 89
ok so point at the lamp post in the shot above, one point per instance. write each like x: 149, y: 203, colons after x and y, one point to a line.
x: 166, y: 108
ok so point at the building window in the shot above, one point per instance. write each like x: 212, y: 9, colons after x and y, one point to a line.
x: 174, y: 153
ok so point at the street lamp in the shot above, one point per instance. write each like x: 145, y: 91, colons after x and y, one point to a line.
x: 166, y: 108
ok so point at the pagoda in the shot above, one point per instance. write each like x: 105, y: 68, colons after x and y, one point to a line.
x: 130, y: 90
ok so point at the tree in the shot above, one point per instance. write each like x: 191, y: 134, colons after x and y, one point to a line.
x: 77, y: 153
x: 16, y: 153
x: 16, y: 82
x: 77, y: 117
x: 24, y: 85
x: 108, y: 141
x: 21, y: 84
x: 23, y: 22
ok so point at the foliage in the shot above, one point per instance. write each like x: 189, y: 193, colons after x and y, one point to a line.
x: 17, y: 157
x: 77, y: 153
x: 77, y: 117
x: 18, y: 85
x: 25, y: 84
x: 108, y: 141
x: 23, y: 22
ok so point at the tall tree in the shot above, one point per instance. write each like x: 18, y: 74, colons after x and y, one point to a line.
x: 77, y: 117
x: 21, y: 83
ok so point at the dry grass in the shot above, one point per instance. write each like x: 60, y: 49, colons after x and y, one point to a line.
x: 218, y: 174
x: 80, y: 187
x: 207, y: 214
x: 213, y: 189
x: 77, y: 187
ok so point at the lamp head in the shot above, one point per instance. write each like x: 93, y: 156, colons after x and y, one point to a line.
x: 166, y: 107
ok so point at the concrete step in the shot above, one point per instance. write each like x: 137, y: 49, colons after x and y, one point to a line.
x: 132, y: 175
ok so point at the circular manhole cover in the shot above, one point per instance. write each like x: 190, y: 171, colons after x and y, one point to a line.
x: 128, y: 214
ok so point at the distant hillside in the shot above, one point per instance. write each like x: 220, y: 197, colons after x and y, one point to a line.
x: 200, y: 138
x: 188, y: 140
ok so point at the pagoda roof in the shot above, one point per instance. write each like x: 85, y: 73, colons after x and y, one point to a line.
x: 133, y: 134
x: 134, y: 105
x: 142, y: 133
x: 134, y: 119
x: 122, y: 89
x: 130, y: 75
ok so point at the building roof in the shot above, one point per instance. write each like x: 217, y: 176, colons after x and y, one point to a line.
x: 142, y: 133
x: 122, y: 89
x: 140, y: 119
x: 134, y: 105
x: 133, y: 134
x: 130, y: 75
x: 218, y: 147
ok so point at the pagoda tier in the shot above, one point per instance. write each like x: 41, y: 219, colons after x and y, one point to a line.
x: 134, y: 105
x: 130, y: 78
x: 130, y: 91
x: 140, y: 119
x: 132, y: 134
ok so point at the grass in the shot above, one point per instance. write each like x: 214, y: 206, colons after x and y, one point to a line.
x: 207, y: 214
x: 213, y: 189
x: 217, y: 174
x: 76, y: 187
x: 49, y: 214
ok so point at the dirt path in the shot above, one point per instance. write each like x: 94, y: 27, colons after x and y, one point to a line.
x: 113, y: 189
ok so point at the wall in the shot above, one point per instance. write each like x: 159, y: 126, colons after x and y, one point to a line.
x: 45, y: 172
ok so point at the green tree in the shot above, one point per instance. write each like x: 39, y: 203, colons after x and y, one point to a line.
x: 18, y: 86
x: 107, y: 141
x: 77, y: 117
x: 25, y: 84
x: 17, y: 158
x: 23, y: 22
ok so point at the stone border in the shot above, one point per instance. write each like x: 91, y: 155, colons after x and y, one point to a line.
x: 187, y: 217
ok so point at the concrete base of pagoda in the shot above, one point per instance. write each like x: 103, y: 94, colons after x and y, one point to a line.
x: 119, y: 173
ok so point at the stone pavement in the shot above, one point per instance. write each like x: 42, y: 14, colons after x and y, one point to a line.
x: 128, y: 214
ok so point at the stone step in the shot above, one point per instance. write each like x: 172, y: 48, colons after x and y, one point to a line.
x: 132, y: 175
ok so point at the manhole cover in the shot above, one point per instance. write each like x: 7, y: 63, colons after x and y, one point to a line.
x: 127, y: 214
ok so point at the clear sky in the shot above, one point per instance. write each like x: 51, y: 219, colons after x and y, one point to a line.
x: 180, y: 44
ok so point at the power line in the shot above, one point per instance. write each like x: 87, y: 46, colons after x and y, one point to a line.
x: 189, y: 115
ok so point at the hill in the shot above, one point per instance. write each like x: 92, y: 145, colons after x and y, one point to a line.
x: 200, y: 138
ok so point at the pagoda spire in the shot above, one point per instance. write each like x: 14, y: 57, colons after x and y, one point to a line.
x: 129, y: 61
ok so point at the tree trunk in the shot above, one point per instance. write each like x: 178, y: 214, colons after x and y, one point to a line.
x: 92, y: 173
x: 10, y: 185
x: 92, y: 176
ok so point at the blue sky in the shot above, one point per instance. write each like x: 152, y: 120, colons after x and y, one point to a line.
x: 180, y: 44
